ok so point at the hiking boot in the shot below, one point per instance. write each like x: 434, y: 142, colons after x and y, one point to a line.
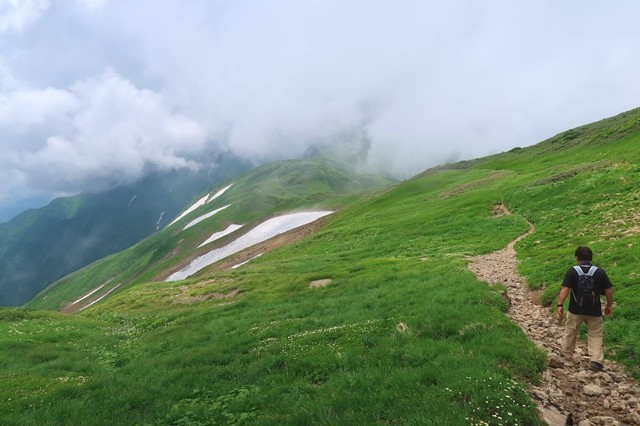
x: 596, y: 366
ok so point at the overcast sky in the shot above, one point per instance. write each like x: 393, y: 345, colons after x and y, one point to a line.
x: 98, y: 92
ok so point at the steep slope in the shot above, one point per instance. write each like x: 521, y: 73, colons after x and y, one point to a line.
x: 40, y: 246
x: 372, y: 318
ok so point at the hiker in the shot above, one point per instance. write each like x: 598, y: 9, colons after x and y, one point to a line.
x: 586, y: 283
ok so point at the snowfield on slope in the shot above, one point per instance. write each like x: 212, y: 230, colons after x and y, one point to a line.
x: 201, y: 202
x: 217, y: 235
x: 204, y: 216
x: 260, y: 233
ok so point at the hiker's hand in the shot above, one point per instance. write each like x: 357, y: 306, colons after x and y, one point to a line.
x: 560, y: 311
x: 607, y: 311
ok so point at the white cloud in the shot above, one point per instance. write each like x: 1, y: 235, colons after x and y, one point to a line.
x: 92, y: 5
x: 106, y: 131
x: 420, y: 82
x: 16, y: 15
x: 27, y: 108
x: 426, y: 82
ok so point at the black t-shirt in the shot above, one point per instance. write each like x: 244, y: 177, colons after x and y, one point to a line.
x: 571, y: 281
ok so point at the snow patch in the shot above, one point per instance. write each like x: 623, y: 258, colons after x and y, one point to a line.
x: 204, y: 216
x: 89, y: 294
x: 260, y: 233
x: 99, y: 298
x: 246, y: 261
x: 131, y: 201
x: 159, y: 220
x: 201, y: 202
x: 194, y: 206
x: 218, y: 235
x: 219, y: 193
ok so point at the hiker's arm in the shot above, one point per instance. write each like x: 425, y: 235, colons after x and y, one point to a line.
x: 564, y: 292
x: 609, y: 295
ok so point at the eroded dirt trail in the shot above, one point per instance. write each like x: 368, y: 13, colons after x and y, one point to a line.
x: 567, y: 394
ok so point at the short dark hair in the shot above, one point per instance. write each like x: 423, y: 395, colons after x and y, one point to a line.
x: 584, y: 253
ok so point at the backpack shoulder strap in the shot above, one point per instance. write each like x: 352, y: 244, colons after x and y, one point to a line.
x: 590, y: 272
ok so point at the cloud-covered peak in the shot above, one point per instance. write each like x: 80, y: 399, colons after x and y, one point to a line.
x: 96, y: 92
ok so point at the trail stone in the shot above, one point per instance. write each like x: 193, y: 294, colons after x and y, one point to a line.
x: 553, y: 417
x: 555, y: 362
x: 603, y: 420
x: 626, y: 388
x: 540, y: 395
x: 606, y: 377
x: 617, y: 377
x: 592, y: 390
x: 556, y: 393
x: 582, y: 376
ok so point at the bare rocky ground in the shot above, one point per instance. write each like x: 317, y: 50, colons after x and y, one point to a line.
x: 567, y: 394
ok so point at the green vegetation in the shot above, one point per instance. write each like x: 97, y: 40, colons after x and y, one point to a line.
x: 266, y: 191
x: 41, y: 246
x: 401, y: 331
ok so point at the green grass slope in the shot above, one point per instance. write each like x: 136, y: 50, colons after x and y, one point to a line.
x: 264, y: 192
x: 374, y: 319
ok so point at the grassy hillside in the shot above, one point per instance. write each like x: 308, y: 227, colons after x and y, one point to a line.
x: 373, y: 319
x: 266, y: 191
x: 43, y: 245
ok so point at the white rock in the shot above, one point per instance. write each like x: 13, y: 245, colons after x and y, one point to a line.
x: 592, y: 390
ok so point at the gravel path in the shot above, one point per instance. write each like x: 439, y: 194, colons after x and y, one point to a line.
x: 567, y: 394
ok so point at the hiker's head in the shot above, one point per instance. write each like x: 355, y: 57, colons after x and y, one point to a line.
x: 584, y: 253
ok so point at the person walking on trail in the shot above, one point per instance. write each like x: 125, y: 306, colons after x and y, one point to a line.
x: 584, y: 284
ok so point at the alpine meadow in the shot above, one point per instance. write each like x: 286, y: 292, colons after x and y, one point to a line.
x: 367, y: 316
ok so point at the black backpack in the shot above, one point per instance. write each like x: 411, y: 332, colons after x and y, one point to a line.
x: 586, y: 295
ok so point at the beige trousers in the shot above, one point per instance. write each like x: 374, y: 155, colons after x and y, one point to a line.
x: 594, y: 336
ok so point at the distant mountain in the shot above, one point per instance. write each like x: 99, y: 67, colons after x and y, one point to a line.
x: 42, y: 245
x: 14, y: 208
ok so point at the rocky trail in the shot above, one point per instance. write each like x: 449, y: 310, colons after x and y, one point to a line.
x: 567, y: 395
